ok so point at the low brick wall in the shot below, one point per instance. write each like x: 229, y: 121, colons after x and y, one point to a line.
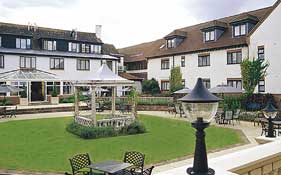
x: 49, y: 110
x: 14, y: 99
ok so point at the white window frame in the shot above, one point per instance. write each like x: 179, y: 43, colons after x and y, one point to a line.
x: 27, y: 62
x: 23, y: 43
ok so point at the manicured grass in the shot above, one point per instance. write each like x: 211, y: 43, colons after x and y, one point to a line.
x: 44, y: 144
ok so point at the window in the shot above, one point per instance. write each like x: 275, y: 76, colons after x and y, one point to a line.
x: 210, y: 36
x: 235, y: 83
x: 183, y: 61
x: 234, y: 57
x: 171, y: 43
x: 0, y: 41
x: 165, y: 85
x: 261, y: 53
x: 67, y: 88
x: 203, y: 60
x: 95, y: 48
x: 57, y: 63
x: 27, y: 62
x: 73, y: 47
x: 261, y: 86
x: 83, y: 64
x: 165, y: 64
x: 240, y: 30
x: 2, y: 62
x: 86, y: 48
x: 139, y: 65
x: 49, y: 45
x: 18, y: 84
x: 207, y: 83
x: 23, y: 43
x: 51, y: 86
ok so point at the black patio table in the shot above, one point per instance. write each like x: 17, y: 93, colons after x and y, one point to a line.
x: 110, y: 167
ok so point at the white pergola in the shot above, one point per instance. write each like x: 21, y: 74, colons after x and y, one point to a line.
x: 104, y: 77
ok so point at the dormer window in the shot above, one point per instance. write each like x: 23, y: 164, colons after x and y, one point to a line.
x: 23, y: 43
x: 49, y: 45
x: 0, y: 41
x: 73, y: 47
x: 209, y: 36
x: 171, y: 43
x: 239, y: 30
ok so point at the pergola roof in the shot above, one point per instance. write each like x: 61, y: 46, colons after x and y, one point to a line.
x: 27, y: 75
x: 104, y: 77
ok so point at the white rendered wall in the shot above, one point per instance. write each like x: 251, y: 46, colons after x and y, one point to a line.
x: 70, y: 71
x: 218, y: 72
x: 268, y: 35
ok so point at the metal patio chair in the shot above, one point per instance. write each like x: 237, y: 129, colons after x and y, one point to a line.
x: 137, y: 159
x: 228, y: 117
x: 79, y: 164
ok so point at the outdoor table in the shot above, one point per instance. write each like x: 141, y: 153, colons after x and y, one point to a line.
x: 110, y: 167
x: 278, y: 123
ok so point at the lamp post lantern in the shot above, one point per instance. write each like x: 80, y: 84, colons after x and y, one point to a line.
x: 200, y: 106
x: 270, y: 112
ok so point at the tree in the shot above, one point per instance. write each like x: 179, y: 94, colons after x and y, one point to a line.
x: 150, y: 86
x: 252, y: 72
x: 175, y: 79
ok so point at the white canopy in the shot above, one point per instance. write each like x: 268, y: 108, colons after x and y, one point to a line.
x: 104, y: 77
x: 183, y: 91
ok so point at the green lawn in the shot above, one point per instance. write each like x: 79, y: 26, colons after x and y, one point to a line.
x: 44, y: 145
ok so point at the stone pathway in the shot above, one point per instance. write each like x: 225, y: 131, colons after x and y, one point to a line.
x: 247, y: 128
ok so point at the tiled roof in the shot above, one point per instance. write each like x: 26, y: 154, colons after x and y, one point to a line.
x: 129, y: 76
x: 194, y: 40
x: 42, y: 32
x: 141, y: 51
x: 109, y: 49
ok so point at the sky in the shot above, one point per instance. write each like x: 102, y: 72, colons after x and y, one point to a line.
x: 124, y: 22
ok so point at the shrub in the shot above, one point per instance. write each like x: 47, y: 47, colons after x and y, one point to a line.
x: 91, y: 132
x: 101, y: 132
x: 150, y: 86
x: 134, y: 128
x: 23, y: 93
x: 175, y: 79
x: 54, y: 92
x: 255, y: 102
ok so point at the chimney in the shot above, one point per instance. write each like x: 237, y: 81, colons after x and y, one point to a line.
x: 98, y: 31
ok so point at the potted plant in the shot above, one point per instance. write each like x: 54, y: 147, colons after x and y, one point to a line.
x: 54, y: 97
x: 23, y: 97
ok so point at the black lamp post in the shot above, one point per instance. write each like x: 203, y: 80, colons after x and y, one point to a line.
x: 200, y: 106
x: 270, y: 112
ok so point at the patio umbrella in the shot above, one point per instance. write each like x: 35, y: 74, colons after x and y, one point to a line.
x: 8, y: 88
x: 183, y: 91
x: 225, y: 89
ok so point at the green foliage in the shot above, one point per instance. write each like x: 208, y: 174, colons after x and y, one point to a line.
x: 256, y: 102
x: 134, y: 128
x: 175, y: 79
x: 91, y: 132
x: 101, y: 132
x: 5, y: 102
x: 23, y: 93
x: 54, y: 92
x: 150, y: 86
x: 252, y: 72
x: 132, y: 99
x: 232, y: 102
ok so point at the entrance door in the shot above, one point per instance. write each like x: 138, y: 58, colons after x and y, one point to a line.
x: 37, y: 91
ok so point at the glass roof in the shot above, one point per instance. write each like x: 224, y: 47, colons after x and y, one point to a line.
x: 27, y: 75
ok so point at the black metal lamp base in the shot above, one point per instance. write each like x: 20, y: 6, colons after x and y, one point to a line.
x: 191, y: 172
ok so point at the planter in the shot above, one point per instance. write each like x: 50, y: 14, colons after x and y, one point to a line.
x: 54, y: 100
x: 23, y: 101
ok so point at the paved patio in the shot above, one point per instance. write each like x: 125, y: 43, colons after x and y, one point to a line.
x: 247, y: 128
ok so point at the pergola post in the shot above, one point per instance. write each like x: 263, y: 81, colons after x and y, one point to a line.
x: 93, y: 106
x: 76, y: 102
x: 113, y: 100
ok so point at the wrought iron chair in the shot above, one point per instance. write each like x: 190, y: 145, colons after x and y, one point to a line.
x: 79, y: 164
x: 11, y: 113
x: 236, y: 116
x: 137, y: 159
x: 148, y: 171
x: 178, y: 109
x: 228, y: 117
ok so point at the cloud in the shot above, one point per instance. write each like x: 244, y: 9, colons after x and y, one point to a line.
x: 12, y: 4
x: 213, y: 9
